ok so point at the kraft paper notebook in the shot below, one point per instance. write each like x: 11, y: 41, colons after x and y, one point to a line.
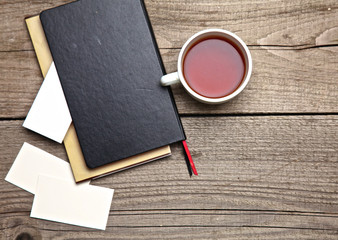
x: 80, y: 170
x: 110, y: 68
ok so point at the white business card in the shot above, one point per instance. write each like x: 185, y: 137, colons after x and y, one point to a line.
x: 57, y: 200
x: 31, y: 162
x: 49, y: 114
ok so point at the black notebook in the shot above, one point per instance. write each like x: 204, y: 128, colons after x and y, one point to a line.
x: 110, y: 68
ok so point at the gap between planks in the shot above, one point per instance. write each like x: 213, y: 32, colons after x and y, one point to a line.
x: 256, y: 47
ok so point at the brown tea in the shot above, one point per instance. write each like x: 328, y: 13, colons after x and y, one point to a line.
x: 214, y: 68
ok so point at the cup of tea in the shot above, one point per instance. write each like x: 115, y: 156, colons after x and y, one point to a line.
x: 213, y: 66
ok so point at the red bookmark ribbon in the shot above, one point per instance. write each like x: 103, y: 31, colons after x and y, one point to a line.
x: 189, y: 157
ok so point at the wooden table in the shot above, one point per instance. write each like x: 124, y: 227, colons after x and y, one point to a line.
x: 267, y: 160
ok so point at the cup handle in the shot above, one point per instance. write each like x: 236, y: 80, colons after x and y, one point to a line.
x: 170, y: 79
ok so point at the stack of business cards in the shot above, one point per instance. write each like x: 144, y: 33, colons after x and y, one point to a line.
x: 57, y: 197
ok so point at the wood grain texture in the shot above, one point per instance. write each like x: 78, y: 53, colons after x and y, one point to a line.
x: 260, y: 176
x: 282, y: 82
x: 20, y: 80
x: 295, y: 78
x: 274, y: 177
x: 272, y: 23
x: 166, y: 225
x: 14, y: 35
x: 286, y: 23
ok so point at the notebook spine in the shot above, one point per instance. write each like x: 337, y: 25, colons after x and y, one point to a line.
x: 162, y: 67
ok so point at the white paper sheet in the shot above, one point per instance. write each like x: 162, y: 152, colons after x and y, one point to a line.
x: 59, y: 201
x: 49, y: 114
x: 31, y: 162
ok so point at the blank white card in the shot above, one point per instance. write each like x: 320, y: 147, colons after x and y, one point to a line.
x: 31, y: 162
x: 49, y: 114
x: 57, y: 200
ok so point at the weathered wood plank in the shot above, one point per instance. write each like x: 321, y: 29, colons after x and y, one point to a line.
x: 269, y: 163
x: 279, y: 172
x: 14, y: 34
x: 20, y: 80
x: 180, y: 224
x: 283, y: 81
x: 271, y: 177
x: 286, y: 23
x: 260, y: 22
x: 292, y: 81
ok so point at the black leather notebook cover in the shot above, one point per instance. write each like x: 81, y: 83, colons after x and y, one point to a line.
x: 110, y: 69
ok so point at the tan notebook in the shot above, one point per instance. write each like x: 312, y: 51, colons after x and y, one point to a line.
x: 80, y: 170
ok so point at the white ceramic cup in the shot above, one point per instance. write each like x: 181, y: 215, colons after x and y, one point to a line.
x: 178, y: 76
